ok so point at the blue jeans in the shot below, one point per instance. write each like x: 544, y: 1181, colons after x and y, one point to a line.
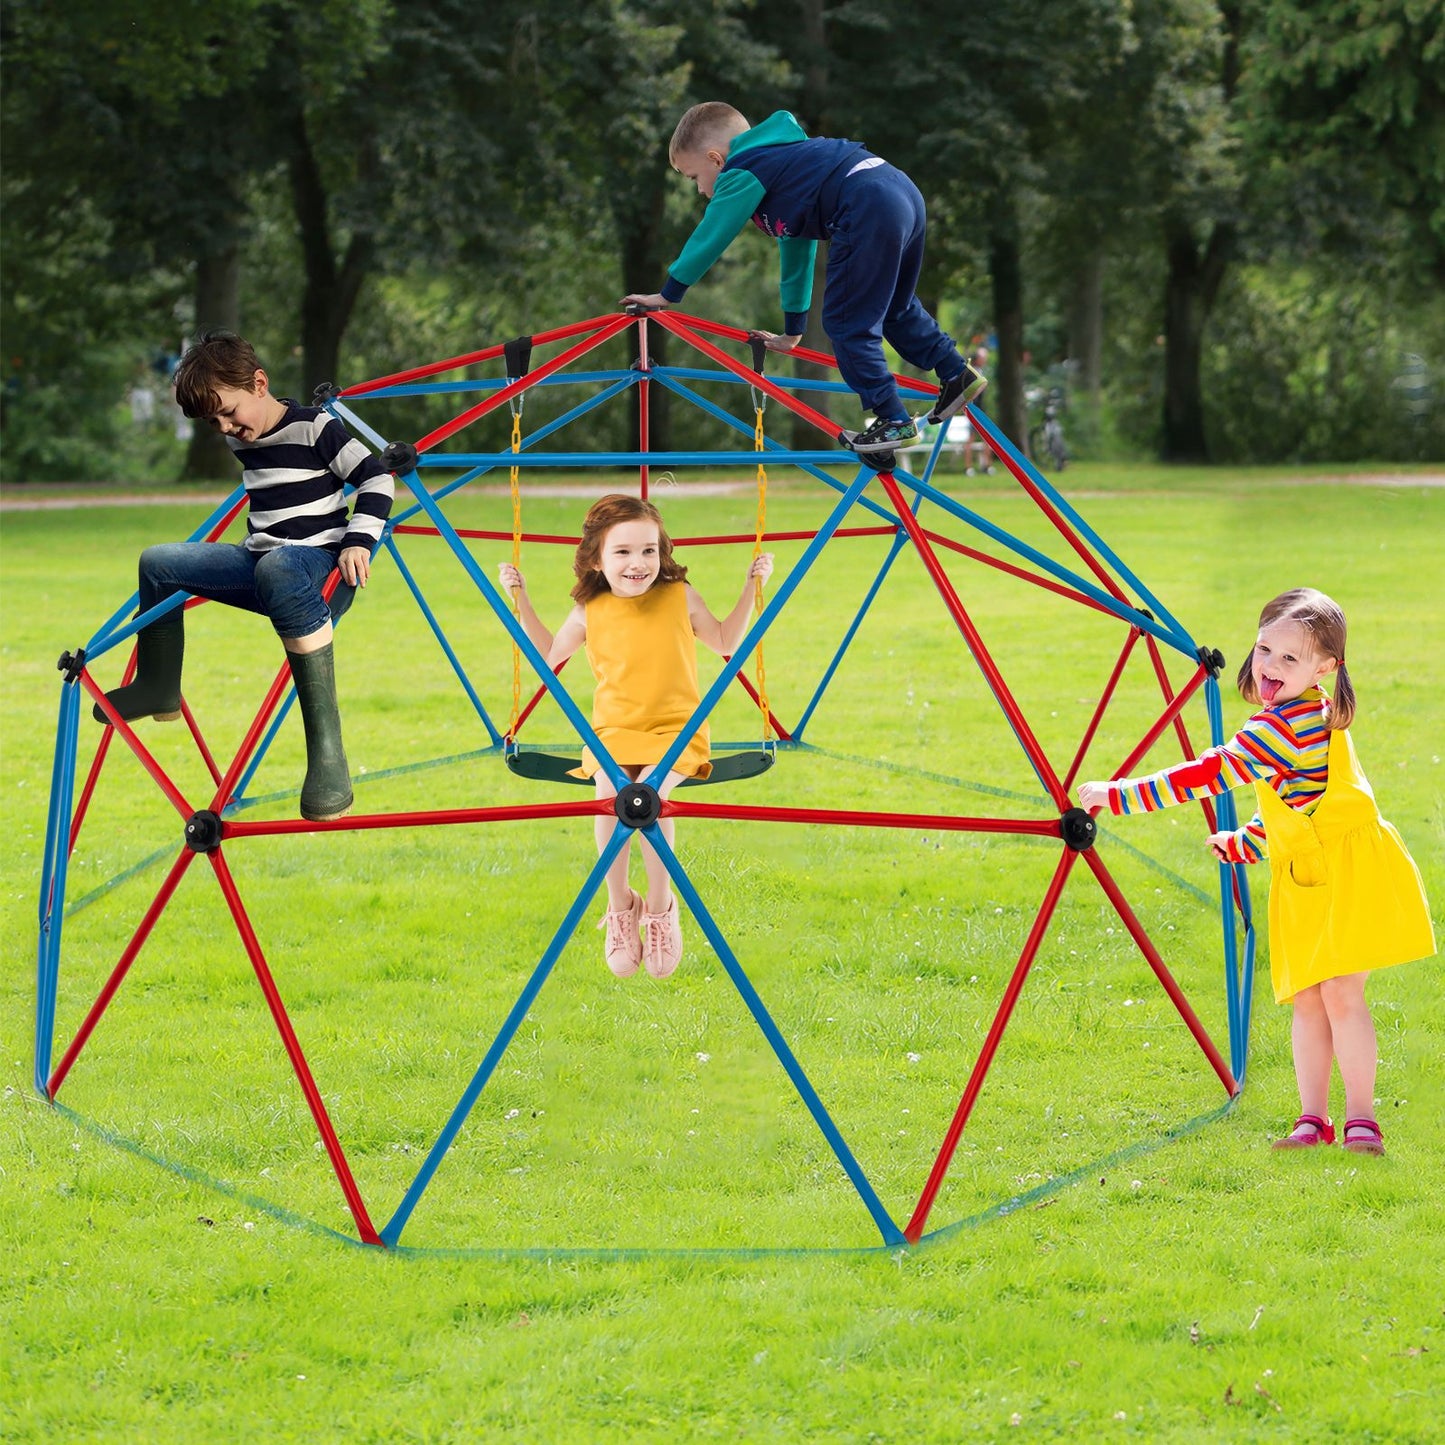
x: 875, y: 254
x: 283, y: 584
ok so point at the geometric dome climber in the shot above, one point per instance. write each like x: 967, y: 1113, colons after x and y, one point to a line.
x: 879, y: 503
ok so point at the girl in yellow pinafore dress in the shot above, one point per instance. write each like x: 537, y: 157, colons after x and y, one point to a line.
x: 1345, y: 896
x: 640, y: 622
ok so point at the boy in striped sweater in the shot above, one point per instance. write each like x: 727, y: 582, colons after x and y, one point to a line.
x: 296, y: 461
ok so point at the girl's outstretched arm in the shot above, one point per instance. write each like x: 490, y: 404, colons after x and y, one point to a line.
x: 723, y: 637
x: 512, y: 581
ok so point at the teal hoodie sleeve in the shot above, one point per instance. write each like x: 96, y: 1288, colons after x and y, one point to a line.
x: 795, y: 284
x: 734, y: 199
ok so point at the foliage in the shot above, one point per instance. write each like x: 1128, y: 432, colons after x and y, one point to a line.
x: 1203, y: 1288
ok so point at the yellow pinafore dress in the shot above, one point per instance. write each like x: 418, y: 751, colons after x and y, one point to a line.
x: 644, y: 656
x: 1344, y: 896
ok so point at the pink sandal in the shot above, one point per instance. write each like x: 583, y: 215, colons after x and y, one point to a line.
x: 1368, y: 1138
x: 1321, y: 1132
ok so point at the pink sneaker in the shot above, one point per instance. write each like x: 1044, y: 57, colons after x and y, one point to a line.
x: 623, y: 943
x: 662, y: 941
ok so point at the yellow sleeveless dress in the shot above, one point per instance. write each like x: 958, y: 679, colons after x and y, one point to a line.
x: 1345, y: 896
x: 644, y: 656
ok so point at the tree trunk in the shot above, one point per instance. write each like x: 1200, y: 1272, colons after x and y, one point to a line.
x: 813, y: 111
x: 1190, y: 289
x: 1006, y: 395
x: 330, y: 291
x: 218, y: 306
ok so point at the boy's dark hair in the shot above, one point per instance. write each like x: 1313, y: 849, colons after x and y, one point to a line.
x: 219, y: 358
x: 604, y: 514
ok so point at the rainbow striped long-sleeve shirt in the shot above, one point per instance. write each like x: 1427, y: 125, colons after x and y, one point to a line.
x: 1287, y: 746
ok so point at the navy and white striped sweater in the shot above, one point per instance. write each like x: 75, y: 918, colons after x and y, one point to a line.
x: 294, y: 476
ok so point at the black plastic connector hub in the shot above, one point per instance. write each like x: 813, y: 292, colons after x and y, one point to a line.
x: 1079, y: 829
x: 399, y: 457
x: 71, y: 664
x: 325, y: 391
x: 1212, y: 660
x: 203, y: 831
x: 638, y: 805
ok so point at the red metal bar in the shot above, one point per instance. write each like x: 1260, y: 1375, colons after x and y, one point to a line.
x: 293, y: 1050
x: 269, y: 703
x: 938, y: 822
x: 799, y: 353
x: 200, y: 741
x: 158, y: 773
x: 975, y: 643
x: 1168, y: 715
x: 1146, y: 947
x: 442, y: 817
x: 1166, y: 688
x: 118, y: 973
x: 1104, y: 698
x: 779, y: 730
x: 744, y: 372
x: 914, y: 1232
x: 1036, y: 578
x: 523, y: 384
x: 537, y: 697
x: 478, y: 534
x: 1067, y: 532
x: 455, y: 363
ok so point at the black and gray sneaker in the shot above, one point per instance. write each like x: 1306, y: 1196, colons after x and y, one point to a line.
x: 956, y: 393
x: 885, y: 434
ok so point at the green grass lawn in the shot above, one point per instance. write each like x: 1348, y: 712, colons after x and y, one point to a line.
x: 640, y: 1232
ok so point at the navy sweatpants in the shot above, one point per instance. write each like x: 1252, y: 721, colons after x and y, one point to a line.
x: 875, y: 254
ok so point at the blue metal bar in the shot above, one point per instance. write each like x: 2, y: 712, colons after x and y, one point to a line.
x: 195, y: 536
x: 981, y: 420
x: 630, y: 380
x: 394, y: 1226
x: 1178, y: 640
x: 889, y: 1230
x: 238, y: 795
x: 103, y: 640
x: 756, y: 632
x: 441, y: 637
x: 448, y: 388
x: 838, y: 457
x: 788, y: 383
x: 515, y: 631
x: 54, y: 870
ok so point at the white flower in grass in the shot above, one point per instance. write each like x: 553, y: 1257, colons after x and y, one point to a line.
x: 514, y: 1113
x: 914, y: 1058
x: 703, y: 1058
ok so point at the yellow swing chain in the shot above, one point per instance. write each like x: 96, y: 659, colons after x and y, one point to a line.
x: 516, y: 562
x: 762, y: 527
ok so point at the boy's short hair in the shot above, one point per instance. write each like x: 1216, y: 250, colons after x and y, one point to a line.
x: 219, y: 358
x: 713, y: 123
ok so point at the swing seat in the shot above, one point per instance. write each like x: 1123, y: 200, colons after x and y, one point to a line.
x: 550, y: 768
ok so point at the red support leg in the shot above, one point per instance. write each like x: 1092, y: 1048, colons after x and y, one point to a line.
x: 118, y: 973
x: 971, y: 635
x: 914, y: 1231
x: 1113, y: 682
x: 293, y: 1050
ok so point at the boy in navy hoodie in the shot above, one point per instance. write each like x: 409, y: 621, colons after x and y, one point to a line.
x: 802, y: 190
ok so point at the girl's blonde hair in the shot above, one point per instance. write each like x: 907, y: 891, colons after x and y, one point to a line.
x: 604, y: 514
x: 1324, y: 620
x: 713, y: 123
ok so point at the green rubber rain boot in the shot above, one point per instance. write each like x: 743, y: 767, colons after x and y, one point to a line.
x: 326, y: 793
x: 156, y: 690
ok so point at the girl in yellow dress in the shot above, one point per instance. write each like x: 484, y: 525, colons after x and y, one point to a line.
x: 1345, y: 897
x: 640, y: 622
